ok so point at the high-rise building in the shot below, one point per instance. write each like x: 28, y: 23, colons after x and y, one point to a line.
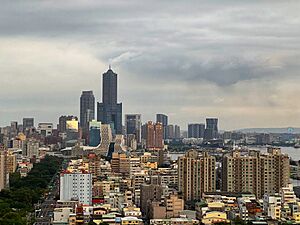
x: 150, y: 135
x: 159, y: 139
x: 163, y: 119
x: 110, y: 111
x: 32, y: 148
x: 4, y: 176
x: 87, y: 108
x: 133, y: 125
x: 154, y: 136
x: 177, y: 132
x: 28, y: 123
x: 94, y: 133
x: 196, y: 174
x: 14, y: 127
x: 72, y: 129
x: 256, y: 172
x: 211, y: 131
x: 76, y: 186
x: 196, y: 130
x: 62, y: 122
x: 170, y: 132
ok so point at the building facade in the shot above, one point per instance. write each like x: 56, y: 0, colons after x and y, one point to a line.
x: 110, y: 111
x: 196, y: 174
x: 76, y: 186
x: 163, y: 119
x: 255, y: 172
x: 87, y: 108
x: 133, y: 125
x: 196, y: 130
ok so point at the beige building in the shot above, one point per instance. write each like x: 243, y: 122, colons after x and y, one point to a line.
x: 4, y: 177
x: 11, y: 162
x: 120, y: 163
x: 196, y: 174
x: 255, y: 172
x: 174, y: 206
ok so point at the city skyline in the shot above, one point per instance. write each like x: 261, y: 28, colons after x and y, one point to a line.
x: 234, y: 61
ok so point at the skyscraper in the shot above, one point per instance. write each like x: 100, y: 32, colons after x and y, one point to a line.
x: 28, y: 123
x: 154, y: 136
x: 170, y: 132
x: 133, y: 125
x: 177, y: 132
x: 163, y: 119
x: 196, y: 174
x: 159, y: 139
x: 87, y: 108
x: 110, y: 111
x: 211, y: 131
x: 196, y: 130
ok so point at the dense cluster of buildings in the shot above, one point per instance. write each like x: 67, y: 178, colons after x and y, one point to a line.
x: 123, y: 174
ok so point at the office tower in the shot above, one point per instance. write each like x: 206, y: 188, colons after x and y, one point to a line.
x: 163, y: 119
x: 87, y: 108
x: 256, y: 172
x: 94, y: 133
x: 196, y: 174
x: 28, y: 123
x: 196, y: 130
x: 133, y: 125
x: 144, y: 132
x: 150, y: 135
x: 154, y: 136
x: 177, y: 132
x: 76, y: 186
x: 62, y: 122
x: 170, y: 132
x: 72, y: 129
x: 158, y: 137
x: 45, y: 129
x: 14, y: 127
x: 211, y: 131
x: 110, y: 111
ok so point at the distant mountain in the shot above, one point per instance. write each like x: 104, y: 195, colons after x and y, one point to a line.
x: 291, y: 130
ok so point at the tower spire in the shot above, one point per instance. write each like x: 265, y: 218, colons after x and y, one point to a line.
x: 109, y: 66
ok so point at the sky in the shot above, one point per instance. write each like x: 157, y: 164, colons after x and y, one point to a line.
x: 235, y: 60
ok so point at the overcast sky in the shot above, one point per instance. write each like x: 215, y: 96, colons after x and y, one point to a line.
x: 236, y: 60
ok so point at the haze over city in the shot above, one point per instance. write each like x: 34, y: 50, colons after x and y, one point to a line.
x: 235, y: 60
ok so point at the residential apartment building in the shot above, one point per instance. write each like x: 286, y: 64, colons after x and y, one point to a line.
x: 196, y: 174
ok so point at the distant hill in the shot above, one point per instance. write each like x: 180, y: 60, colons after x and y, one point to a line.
x: 291, y: 130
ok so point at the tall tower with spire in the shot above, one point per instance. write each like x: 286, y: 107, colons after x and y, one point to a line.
x: 109, y: 111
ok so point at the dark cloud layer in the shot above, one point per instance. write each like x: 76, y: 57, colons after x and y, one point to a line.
x: 237, y: 60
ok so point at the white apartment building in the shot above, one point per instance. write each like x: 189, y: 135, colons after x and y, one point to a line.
x: 76, y: 186
x: 272, y: 206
